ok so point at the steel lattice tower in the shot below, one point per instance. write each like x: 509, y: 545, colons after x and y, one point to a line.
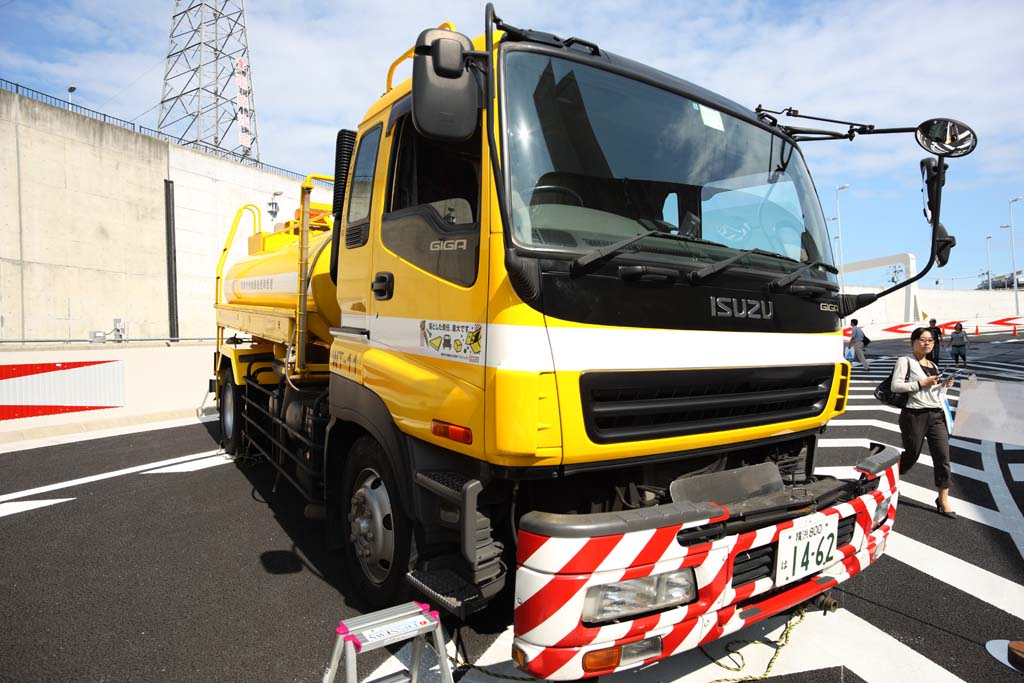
x: 207, y: 98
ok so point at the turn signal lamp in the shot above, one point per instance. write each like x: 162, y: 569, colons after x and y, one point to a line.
x: 637, y: 596
x: 621, y: 655
x: 519, y: 657
x: 450, y: 431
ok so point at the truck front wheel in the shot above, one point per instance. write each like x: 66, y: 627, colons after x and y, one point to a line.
x: 230, y: 415
x: 379, y: 534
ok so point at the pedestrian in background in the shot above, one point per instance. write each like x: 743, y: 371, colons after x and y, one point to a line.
x: 923, y: 417
x: 857, y: 344
x: 958, y: 345
x: 937, y: 336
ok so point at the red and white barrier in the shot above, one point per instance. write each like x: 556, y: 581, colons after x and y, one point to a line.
x: 971, y: 326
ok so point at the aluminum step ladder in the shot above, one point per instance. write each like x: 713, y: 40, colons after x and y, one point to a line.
x: 383, y: 628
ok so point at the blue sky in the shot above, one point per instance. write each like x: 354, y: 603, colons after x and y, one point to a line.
x: 317, y: 66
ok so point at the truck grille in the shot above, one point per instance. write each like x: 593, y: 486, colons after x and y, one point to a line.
x: 752, y: 565
x: 631, y: 406
x: 844, y: 534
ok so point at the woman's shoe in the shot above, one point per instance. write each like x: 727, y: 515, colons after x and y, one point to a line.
x: 944, y: 513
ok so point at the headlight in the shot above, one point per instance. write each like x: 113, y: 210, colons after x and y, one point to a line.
x: 636, y: 596
x: 880, y: 512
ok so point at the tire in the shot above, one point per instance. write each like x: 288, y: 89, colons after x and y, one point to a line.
x: 230, y: 415
x: 379, y: 544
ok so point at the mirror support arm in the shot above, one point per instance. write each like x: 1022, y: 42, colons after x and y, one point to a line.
x: 848, y: 303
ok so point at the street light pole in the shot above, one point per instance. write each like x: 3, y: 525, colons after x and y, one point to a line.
x: 1013, y: 258
x: 839, y: 232
x: 988, y: 253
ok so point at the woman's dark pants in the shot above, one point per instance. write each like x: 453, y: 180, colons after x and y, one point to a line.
x: 918, y: 424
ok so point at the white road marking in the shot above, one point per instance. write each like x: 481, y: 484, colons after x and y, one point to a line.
x: 193, y: 465
x: 976, y: 513
x: 1017, y: 471
x: 877, y: 406
x: 26, y: 505
x: 62, y: 439
x: 980, y: 583
x: 881, y: 424
x: 1002, y: 496
x: 107, y: 475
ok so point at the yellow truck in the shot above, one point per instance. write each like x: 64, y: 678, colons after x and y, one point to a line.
x: 570, y: 323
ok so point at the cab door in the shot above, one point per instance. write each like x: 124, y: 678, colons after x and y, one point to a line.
x: 428, y: 289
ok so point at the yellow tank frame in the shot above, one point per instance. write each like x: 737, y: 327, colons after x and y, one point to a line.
x: 297, y: 322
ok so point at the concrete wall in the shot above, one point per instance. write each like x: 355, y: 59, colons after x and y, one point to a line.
x: 82, y: 224
x: 978, y: 307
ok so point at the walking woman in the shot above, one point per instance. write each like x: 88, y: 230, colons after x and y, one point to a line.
x: 923, y: 418
x: 958, y: 345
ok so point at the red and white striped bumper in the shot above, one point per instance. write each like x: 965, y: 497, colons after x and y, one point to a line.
x: 553, y: 575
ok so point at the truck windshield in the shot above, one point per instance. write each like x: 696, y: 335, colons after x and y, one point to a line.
x: 595, y: 157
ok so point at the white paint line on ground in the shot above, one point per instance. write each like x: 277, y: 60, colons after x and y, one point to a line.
x: 107, y: 475
x: 1002, y: 496
x: 843, y: 443
x: 965, y: 445
x: 26, y: 505
x: 62, y: 439
x: 194, y: 465
x: 1017, y: 471
x: 876, y: 406
x: 975, y: 513
x: 981, y: 583
x: 881, y: 424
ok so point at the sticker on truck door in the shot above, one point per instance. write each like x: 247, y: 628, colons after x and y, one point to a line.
x: 458, y: 341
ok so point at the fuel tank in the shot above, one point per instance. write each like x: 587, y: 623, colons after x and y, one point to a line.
x: 269, y: 275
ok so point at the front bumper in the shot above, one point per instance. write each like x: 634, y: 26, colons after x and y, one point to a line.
x: 554, y: 572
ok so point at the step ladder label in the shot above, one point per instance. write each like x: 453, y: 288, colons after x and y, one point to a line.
x: 396, y: 629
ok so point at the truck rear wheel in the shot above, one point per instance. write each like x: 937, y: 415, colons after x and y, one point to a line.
x: 230, y: 415
x: 379, y: 534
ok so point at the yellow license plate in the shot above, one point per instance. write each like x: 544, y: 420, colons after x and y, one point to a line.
x: 806, y: 548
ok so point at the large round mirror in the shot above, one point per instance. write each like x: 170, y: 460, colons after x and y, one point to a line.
x: 946, y: 137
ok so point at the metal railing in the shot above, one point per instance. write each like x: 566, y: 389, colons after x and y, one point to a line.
x: 18, y: 89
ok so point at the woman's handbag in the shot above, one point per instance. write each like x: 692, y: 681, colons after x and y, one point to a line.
x: 885, y: 394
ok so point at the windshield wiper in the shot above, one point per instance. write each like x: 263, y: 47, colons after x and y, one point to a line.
x: 706, y: 272
x: 602, y: 253
x: 787, y: 280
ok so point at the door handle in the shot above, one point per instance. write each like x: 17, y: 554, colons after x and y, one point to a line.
x: 383, y: 286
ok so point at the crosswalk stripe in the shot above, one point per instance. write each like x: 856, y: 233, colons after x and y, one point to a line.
x: 26, y: 505
x: 980, y: 583
x: 964, y: 509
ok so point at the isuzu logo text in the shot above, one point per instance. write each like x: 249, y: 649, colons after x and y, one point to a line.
x: 727, y: 307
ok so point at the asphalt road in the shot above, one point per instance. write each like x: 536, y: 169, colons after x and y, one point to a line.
x: 125, y: 560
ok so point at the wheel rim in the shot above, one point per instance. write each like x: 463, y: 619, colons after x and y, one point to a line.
x: 372, y: 526
x: 227, y: 410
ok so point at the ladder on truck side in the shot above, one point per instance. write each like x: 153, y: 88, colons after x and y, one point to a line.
x: 386, y: 627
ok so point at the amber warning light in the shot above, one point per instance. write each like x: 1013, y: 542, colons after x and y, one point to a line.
x: 450, y: 431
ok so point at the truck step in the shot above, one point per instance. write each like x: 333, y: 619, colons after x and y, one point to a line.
x: 448, y: 590
x: 444, y: 484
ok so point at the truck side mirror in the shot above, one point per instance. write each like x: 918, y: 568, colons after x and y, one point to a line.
x: 944, y: 243
x: 946, y: 137
x: 930, y: 186
x: 445, y: 95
